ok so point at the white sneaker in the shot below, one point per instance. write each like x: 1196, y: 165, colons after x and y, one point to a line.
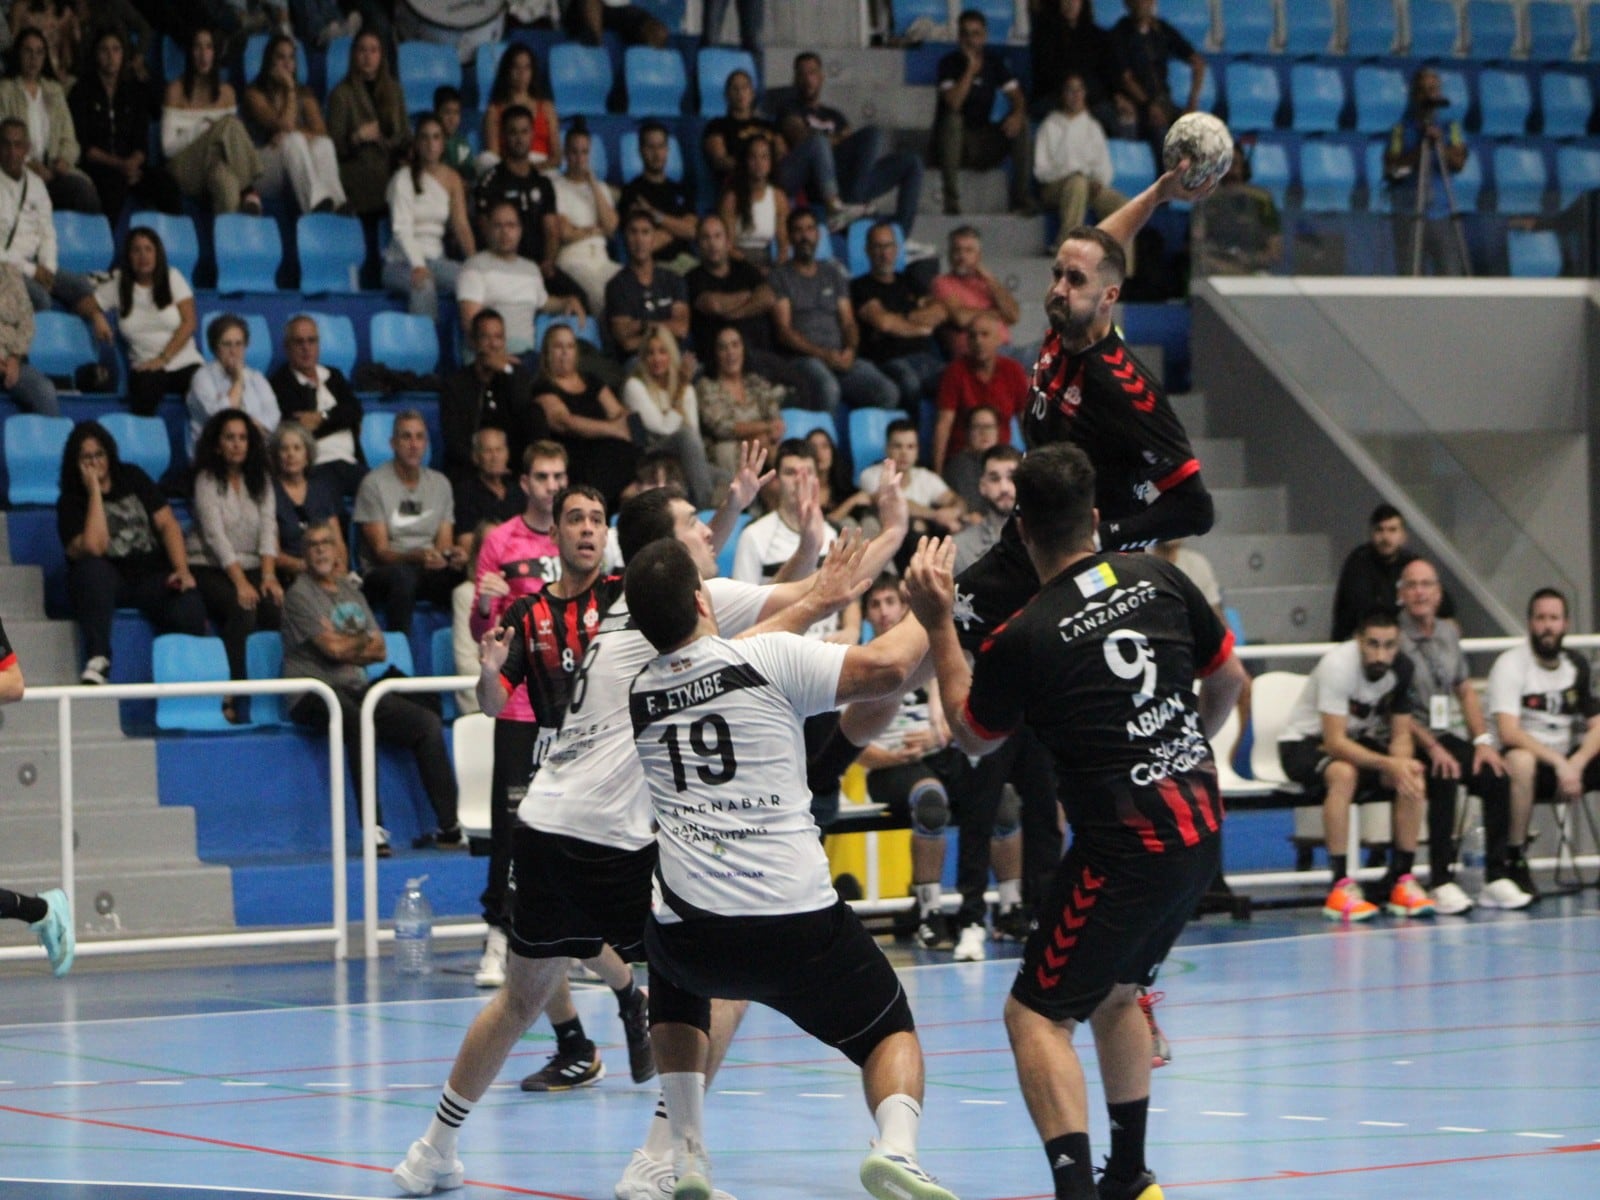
x: 96, y: 671
x: 889, y: 1175
x: 970, y: 945
x: 1503, y: 893
x: 692, y: 1167
x: 425, y: 1172
x: 492, y: 966
x: 1450, y: 900
x: 652, y: 1179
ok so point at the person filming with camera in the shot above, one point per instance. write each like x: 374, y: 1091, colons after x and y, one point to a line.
x: 1424, y: 151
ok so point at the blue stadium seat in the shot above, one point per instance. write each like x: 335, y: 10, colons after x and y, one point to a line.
x: 869, y: 435
x: 633, y: 162
x: 1520, y: 179
x: 999, y: 13
x: 1192, y: 18
x: 404, y: 342
x: 1248, y: 26
x: 263, y: 657
x: 1180, y: 78
x: 336, y: 338
x: 1327, y: 176
x: 1308, y: 26
x: 729, y: 547
x: 377, y: 427
x: 337, y: 63
x: 656, y: 81
x: 856, y: 260
x: 33, y: 456
x: 1370, y: 27
x: 1491, y: 28
x: 442, y: 661
x: 61, y: 344
x: 1504, y: 103
x: 1457, y: 88
x: 1254, y: 95
x: 424, y: 66
x: 1380, y: 98
x: 799, y: 422
x: 1377, y: 186
x: 580, y: 78
x: 83, y: 242
x: 1566, y: 100
x: 1577, y: 172
x: 399, y: 655
x: 172, y: 56
x: 259, y: 352
x: 177, y: 234
x: 1552, y: 30
x: 1435, y: 28
x: 484, y: 65
x: 1316, y: 93
x: 142, y: 441
x: 588, y: 329
x: 714, y: 64
x: 1467, y: 183
x: 1534, y: 253
x: 1133, y: 163
x: 1270, y: 168
x: 180, y: 658
x: 256, y: 48
x: 331, y: 249
x: 906, y: 12
x: 249, y: 253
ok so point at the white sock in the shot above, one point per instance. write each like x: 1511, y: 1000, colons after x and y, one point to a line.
x: 658, y: 1142
x: 683, y: 1093
x: 1010, y: 894
x: 898, y: 1117
x: 445, y: 1128
x: 929, y: 897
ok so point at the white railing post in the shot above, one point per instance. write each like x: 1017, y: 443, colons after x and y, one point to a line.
x: 69, y: 849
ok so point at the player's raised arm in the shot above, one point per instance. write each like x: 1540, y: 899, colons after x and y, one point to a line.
x: 931, y: 590
x: 747, y: 483
x: 1136, y: 213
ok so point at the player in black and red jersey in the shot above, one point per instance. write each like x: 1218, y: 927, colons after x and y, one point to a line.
x: 1101, y: 665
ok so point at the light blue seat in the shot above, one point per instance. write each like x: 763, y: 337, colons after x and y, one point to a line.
x: 799, y: 422
x: 1180, y: 78
x: 869, y: 435
x: 331, y: 249
x: 172, y: 57
x: 249, y: 253
x: 1552, y: 30
x: 34, y: 446
x: 183, y: 658
x: 1504, y: 103
x: 1377, y: 186
x: 580, y: 78
x: 424, y: 66
x: 856, y: 260
x: 398, y: 654
x: 143, y: 441
x: 263, y: 658
x: 1567, y: 100
x: 1327, y: 176
x: 1270, y: 168
x: 1491, y: 28
x: 255, y: 50
x: 1254, y: 95
x: 729, y: 547
x: 1534, y: 253
x: 61, y: 344
x: 1457, y: 88
x: 485, y: 63
x: 1370, y: 27
x: 714, y: 64
x: 1435, y: 28
x: 1248, y: 26
x: 377, y: 427
x: 258, y: 353
x: 83, y: 242
x: 907, y: 12
x: 1308, y: 27
x: 1467, y: 183
x: 1380, y: 98
x: 1577, y: 172
x: 999, y: 13
x: 656, y: 81
x: 1133, y: 163
x: 177, y: 234
x: 336, y: 339
x: 337, y: 62
x: 404, y: 342
x: 633, y: 162
x: 442, y: 661
x: 1316, y: 93
x: 1192, y: 18
x: 587, y: 329
x: 1520, y: 178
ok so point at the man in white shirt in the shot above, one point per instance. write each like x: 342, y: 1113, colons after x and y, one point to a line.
x: 498, y: 277
x: 27, y: 224
x: 929, y: 498
x: 1072, y: 161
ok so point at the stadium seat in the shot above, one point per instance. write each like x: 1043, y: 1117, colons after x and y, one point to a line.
x: 869, y: 435
x: 178, y: 235
x: 1254, y: 95
x: 1534, y: 253
x: 1180, y: 78
x: 1316, y: 94
x: 1308, y: 27
x: 714, y: 64
x: 1552, y: 30
x: 1327, y: 176
x: 999, y: 13
x: 472, y: 746
x: 256, y: 48
x: 181, y: 658
x: 1370, y: 28
x: 1377, y: 186
x: 1435, y: 28
x: 1577, y: 172
x: 263, y: 657
x: 336, y: 338
x: 1192, y: 18
x: 1467, y: 183
x: 587, y: 329
x: 1520, y: 179
x: 404, y: 342
x: 856, y: 261
x: 1566, y: 100
x: 442, y: 661
x: 1491, y: 29
x: 484, y: 65
x: 61, y: 344
x: 424, y: 66
x: 33, y: 457
x: 398, y: 654
x: 656, y: 81
x: 1248, y: 26
x: 172, y: 58
x: 1133, y: 163
x: 336, y: 62
x: 580, y: 78
x: 143, y: 441
x: 83, y: 242
x: 377, y: 427
x: 1380, y: 98
x: 1456, y: 88
x: 633, y: 162
x: 259, y: 353
x: 331, y: 249
x: 1504, y: 103
x: 1270, y: 168
x: 249, y: 253
x: 799, y: 422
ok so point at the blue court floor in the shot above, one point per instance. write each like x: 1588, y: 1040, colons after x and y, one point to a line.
x: 1439, y: 1060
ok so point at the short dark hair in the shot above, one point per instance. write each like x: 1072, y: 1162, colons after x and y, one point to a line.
x: 1001, y: 453
x: 445, y: 94
x: 543, y: 448
x: 646, y: 519
x: 983, y: 408
x: 794, y: 448
x: 1379, y: 616
x: 576, y: 489
x: 972, y: 14
x: 885, y: 579
x: 1055, y: 498
x: 805, y: 56
x: 661, y: 462
x: 796, y: 214
x: 1384, y: 512
x: 484, y: 315
x: 899, y: 425
x: 516, y: 110
x: 1548, y: 593
x: 652, y: 126
x: 1115, y: 262
x: 661, y: 584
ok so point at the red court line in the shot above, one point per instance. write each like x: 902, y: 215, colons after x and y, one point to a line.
x: 227, y: 1145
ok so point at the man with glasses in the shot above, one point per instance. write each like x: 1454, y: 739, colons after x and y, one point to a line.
x: 321, y: 399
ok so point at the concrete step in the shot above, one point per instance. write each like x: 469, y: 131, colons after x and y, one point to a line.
x: 21, y: 593
x: 1284, y: 614
x: 1265, y: 560
x: 48, y: 649
x: 1251, y: 509
x: 149, y: 839
x: 36, y: 722
x: 105, y: 770
x: 1191, y: 410
x: 1221, y: 459
x: 110, y: 903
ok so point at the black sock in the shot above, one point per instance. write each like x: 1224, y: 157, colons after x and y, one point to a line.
x: 829, y: 763
x: 570, y: 1039
x: 627, y: 996
x: 1069, y: 1164
x: 1514, y: 852
x: 18, y: 907
x: 1339, y: 865
x: 1400, y: 863
x: 1127, y: 1138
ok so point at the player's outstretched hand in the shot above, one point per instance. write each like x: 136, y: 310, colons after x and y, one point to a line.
x: 931, y: 582
x: 494, y: 647
x: 836, y: 582
x: 808, y: 511
x: 748, y: 479
x: 890, y: 498
x: 1170, y: 185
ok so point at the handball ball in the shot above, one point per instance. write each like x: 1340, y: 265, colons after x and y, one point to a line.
x: 1205, y: 142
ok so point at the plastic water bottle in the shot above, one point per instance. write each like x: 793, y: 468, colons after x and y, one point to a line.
x: 413, y: 930
x: 1473, y: 852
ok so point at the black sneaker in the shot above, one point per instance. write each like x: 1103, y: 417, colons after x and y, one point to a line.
x: 1013, y: 925
x: 933, y: 932
x: 566, y: 1071
x: 636, y: 1024
x: 1141, y: 1187
x: 1517, y: 871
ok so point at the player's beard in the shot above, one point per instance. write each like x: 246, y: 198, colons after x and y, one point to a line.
x: 1061, y: 319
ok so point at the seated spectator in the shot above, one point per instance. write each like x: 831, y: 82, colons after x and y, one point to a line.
x: 964, y: 135
x: 517, y: 182
x: 1072, y: 161
x: 898, y: 318
x: 321, y: 22
x: 489, y: 392
x: 587, y: 20
x: 816, y: 324
x: 458, y: 155
x: 295, y: 146
x: 321, y: 400
x: 664, y: 399
x: 1370, y: 576
x: 32, y: 93
x: 964, y: 468
x: 26, y: 211
x: 934, y: 508
x: 208, y: 150
x: 463, y: 646
x: 997, y: 498
x: 980, y: 378
x: 969, y: 288
x: 1145, y: 46
x: 406, y: 513
x: 586, y: 218
x: 20, y: 381
x: 665, y: 199
x: 302, y: 499
x: 489, y: 495
x: 755, y: 212
x: 498, y: 277
x: 111, y: 112
x: 585, y: 416
x: 59, y: 22
x: 834, y: 488
x: 517, y: 85
x: 228, y: 382
x: 1064, y: 39
x: 737, y: 405
x: 367, y: 121
x: 329, y: 634
x: 155, y: 318
x: 427, y: 206
x: 124, y: 548
x: 1350, y: 733
x: 1238, y: 229
x: 644, y: 296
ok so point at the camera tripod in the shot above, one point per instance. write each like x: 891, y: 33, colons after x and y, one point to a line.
x: 1420, y: 216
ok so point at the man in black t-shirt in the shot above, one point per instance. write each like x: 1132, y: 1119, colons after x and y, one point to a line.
x: 664, y: 198
x: 965, y: 133
x: 1102, y: 666
x: 1145, y: 45
x: 644, y: 293
x: 897, y: 318
x: 515, y: 180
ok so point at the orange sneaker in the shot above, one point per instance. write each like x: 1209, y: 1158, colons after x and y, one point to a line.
x: 1407, y: 898
x: 1346, y: 903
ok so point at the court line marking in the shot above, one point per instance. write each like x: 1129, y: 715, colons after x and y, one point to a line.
x: 186, y: 1187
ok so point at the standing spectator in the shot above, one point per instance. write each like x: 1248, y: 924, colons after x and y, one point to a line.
x: 585, y: 416
x: 427, y: 203
x: 406, y: 513
x: 319, y: 22
x: 980, y: 378
x: 321, y: 400
x: 1418, y: 144
x: 228, y: 382
x: 752, y: 17
x: 490, y: 392
x: 32, y: 93
x: 489, y: 495
x: 289, y: 121
x: 664, y: 198
x: 208, y: 149
x: 155, y: 316
x: 755, y: 212
x: 1065, y: 40
x: 664, y: 399
x: 644, y: 294
x: 964, y: 468
x: 898, y: 318
x: 1370, y: 576
x: 498, y: 277
x: 516, y: 182
x: 21, y: 381
x: 26, y: 212
x: 965, y: 135
x: 737, y: 405
x: 1072, y: 162
x: 969, y: 288
x: 816, y: 323
x: 302, y: 498
x: 111, y: 111
x: 516, y: 85
x: 586, y: 217
x: 1145, y: 45
x: 368, y: 124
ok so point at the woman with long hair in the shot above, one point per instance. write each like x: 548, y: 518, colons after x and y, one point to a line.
x: 737, y: 405
x: 585, y: 416
x: 32, y: 93
x: 427, y: 202
x: 368, y: 124
x: 516, y: 82
x: 660, y: 393
x: 208, y: 149
x: 755, y: 209
x: 833, y: 475
x: 111, y: 110
x: 234, y: 542
x: 155, y: 316
x: 301, y: 500
x: 288, y: 122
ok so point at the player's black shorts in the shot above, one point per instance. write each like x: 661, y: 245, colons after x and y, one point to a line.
x: 992, y: 589
x: 568, y: 898
x: 820, y: 969
x: 1109, y: 919
x: 1544, y: 779
x: 1305, y: 761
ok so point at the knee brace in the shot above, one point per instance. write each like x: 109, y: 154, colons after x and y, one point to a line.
x: 1008, y: 815
x: 930, y: 808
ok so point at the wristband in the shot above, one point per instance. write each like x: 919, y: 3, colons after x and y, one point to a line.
x: 1483, y: 739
